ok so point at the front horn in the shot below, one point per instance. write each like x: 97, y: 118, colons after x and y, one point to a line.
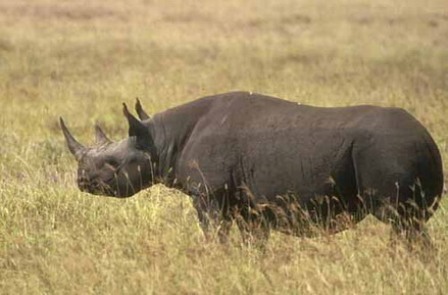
x: 74, y: 146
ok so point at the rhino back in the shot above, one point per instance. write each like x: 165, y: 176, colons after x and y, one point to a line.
x: 272, y: 146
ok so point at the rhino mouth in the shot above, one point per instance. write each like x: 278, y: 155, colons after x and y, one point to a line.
x: 97, y: 188
x: 102, y: 188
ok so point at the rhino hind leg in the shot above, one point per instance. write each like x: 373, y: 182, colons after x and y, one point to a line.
x: 407, y: 215
x: 413, y: 234
x: 413, y: 213
x: 398, y: 189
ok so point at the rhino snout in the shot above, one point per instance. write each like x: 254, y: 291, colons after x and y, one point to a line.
x: 93, y: 186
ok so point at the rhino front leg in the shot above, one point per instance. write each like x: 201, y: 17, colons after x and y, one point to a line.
x: 254, y: 227
x: 212, y: 218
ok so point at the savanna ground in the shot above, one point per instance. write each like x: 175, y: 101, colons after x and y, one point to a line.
x: 82, y: 59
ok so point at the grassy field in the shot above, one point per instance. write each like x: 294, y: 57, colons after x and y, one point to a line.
x: 82, y: 59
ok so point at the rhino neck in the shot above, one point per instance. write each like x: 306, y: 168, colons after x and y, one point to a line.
x: 172, y: 131
x: 170, y: 137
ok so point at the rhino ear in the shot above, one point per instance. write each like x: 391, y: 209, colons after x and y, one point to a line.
x: 140, y: 112
x: 138, y: 129
x: 74, y: 146
x: 100, y: 136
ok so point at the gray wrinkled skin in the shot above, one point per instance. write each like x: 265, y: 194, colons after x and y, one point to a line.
x: 268, y: 163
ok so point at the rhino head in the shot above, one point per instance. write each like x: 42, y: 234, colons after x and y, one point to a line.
x: 117, y: 169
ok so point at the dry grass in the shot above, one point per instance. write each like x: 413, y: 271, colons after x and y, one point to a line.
x: 81, y: 59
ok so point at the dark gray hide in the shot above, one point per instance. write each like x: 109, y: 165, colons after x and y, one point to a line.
x: 270, y: 163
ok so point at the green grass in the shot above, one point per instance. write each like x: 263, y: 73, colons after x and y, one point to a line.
x: 81, y: 60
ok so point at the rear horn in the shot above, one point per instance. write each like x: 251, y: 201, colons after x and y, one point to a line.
x: 140, y: 112
x: 100, y: 136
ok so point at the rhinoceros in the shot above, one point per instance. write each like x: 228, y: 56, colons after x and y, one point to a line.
x: 267, y: 163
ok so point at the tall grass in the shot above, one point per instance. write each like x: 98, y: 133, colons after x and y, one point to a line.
x: 81, y: 59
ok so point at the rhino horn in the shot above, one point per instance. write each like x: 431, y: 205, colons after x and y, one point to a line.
x: 139, y: 109
x: 138, y: 129
x: 100, y: 136
x: 74, y: 146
